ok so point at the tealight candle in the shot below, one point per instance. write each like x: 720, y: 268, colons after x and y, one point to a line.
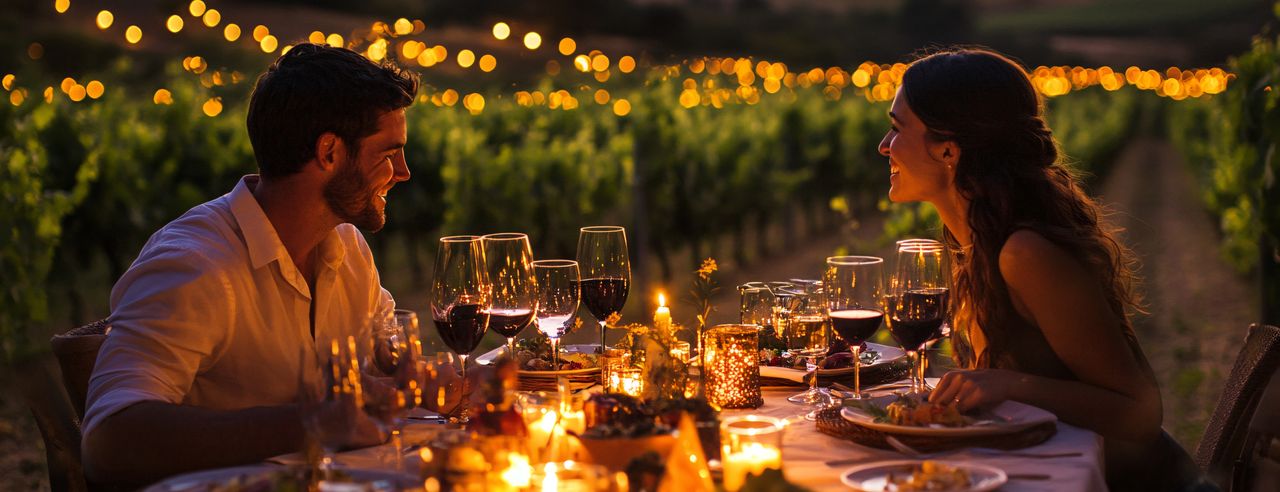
x: 750, y: 444
x: 680, y: 351
x: 626, y: 380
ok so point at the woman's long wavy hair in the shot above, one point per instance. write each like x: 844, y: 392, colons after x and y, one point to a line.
x: 1013, y: 176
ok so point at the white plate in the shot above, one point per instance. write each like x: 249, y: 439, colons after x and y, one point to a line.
x: 222, y: 477
x: 1005, y: 418
x: 888, y: 355
x: 488, y: 357
x: 874, y: 476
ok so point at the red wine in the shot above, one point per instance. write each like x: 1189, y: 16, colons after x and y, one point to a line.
x: 509, y: 322
x: 604, y: 296
x: 855, y: 326
x: 462, y: 326
x: 917, y: 316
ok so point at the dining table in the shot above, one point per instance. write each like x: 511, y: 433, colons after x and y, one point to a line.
x: 1070, y: 460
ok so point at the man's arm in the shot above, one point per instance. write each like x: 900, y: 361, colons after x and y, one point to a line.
x: 151, y: 440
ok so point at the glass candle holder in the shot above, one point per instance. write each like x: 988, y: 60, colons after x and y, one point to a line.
x: 733, y: 370
x: 680, y: 351
x: 626, y: 380
x: 549, y: 420
x: 614, y: 359
x: 572, y: 476
x: 750, y: 444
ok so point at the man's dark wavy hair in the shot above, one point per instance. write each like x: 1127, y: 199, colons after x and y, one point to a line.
x: 314, y: 89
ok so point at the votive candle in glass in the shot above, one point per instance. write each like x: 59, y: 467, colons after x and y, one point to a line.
x: 750, y: 444
x: 626, y: 380
x: 733, y: 370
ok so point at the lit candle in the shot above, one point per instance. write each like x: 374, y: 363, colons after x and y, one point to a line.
x: 753, y: 458
x: 518, y: 473
x: 750, y: 444
x: 626, y: 380
x: 680, y: 351
x: 662, y: 317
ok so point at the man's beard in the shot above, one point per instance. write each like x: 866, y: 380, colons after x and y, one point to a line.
x: 349, y: 196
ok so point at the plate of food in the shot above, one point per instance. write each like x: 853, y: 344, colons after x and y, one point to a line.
x: 274, y: 477
x: 579, y: 363
x: 911, y: 415
x: 775, y: 363
x: 912, y: 475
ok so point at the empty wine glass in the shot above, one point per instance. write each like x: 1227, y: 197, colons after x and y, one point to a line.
x: 395, y: 354
x: 606, y: 272
x: 916, y: 302
x: 854, y: 286
x: 461, y: 297
x: 557, y: 282
x: 515, y: 293
x: 807, y: 335
x: 330, y: 404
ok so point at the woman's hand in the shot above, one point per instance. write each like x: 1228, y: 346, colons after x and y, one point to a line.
x: 976, y: 388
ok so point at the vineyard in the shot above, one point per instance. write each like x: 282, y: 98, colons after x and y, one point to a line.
x: 685, y: 154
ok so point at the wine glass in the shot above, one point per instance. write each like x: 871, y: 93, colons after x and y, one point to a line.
x: 460, y: 298
x: 331, y: 404
x: 807, y: 335
x: 854, y: 286
x: 395, y: 354
x: 916, y: 302
x: 755, y: 305
x: 606, y: 272
x: 557, y: 304
x: 944, y: 331
x: 509, y: 261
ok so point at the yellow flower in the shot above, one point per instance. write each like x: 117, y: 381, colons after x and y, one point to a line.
x: 708, y: 267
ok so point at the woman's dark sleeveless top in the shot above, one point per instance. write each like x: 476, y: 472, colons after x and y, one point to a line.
x: 1160, y: 465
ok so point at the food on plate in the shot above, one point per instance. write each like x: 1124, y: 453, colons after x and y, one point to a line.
x: 534, y: 354
x: 930, y: 475
x: 910, y: 410
x: 838, y: 360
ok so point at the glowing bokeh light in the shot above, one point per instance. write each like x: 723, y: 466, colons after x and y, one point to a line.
x: 466, y: 58
x: 501, y: 31
x: 212, y: 18
x: 268, y: 44
x: 133, y: 34
x: 173, y: 24
x: 61, y: 5
x: 260, y: 31
x: 488, y: 63
x: 231, y: 32
x: 212, y: 107
x: 196, y: 8
x: 568, y: 46
x: 94, y: 89
x: 105, y: 19
x: 532, y: 40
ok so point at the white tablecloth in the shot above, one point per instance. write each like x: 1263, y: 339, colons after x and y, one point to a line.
x: 805, y: 452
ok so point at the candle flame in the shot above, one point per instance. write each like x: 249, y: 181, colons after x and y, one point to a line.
x: 662, y: 300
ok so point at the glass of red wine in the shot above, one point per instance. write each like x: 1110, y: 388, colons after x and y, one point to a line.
x: 461, y: 298
x: 515, y: 294
x: 557, y: 304
x: 943, y: 332
x: 606, y: 272
x: 854, y: 286
x: 916, y: 302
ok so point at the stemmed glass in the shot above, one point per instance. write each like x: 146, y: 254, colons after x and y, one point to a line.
x: 509, y: 261
x: 755, y: 305
x: 461, y: 298
x: 557, y: 282
x: 916, y: 302
x: 943, y: 332
x: 606, y: 272
x: 807, y: 335
x: 854, y: 286
x: 331, y: 406
x: 395, y: 354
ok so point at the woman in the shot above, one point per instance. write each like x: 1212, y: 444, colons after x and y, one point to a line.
x: 1041, y: 285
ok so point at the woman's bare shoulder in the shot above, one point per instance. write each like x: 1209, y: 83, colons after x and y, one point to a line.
x: 1028, y: 255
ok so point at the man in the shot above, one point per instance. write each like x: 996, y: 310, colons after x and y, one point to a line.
x: 226, y: 306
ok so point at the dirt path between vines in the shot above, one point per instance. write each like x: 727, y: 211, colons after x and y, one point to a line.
x: 1200, y: 308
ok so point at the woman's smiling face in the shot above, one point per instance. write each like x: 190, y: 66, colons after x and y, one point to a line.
x: 918, y: 166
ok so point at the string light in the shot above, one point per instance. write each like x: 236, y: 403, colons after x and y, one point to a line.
x: 501, y: 31
x: 212, y: 17
x: 466, y: 58
x: 260, y: 31
x: 532, y: 40
x: 568, y: 46
x: 61, y: 6
x: 173, y: 24
x: 268, y: 44
x: 105, y: 18
x: 212, y: 107
x: 133, y: 34
x: 231, y: 32
x: 196, y: 8
x: 162, y: 96
x: 94, y: 89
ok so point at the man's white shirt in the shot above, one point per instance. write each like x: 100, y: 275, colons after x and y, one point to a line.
x: 214, y: 314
